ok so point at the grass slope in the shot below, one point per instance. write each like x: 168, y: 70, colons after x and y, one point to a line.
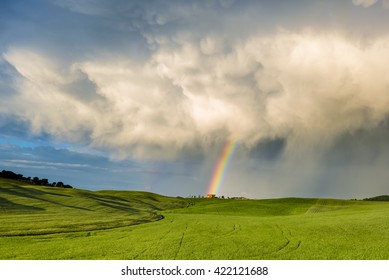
x: 32, y: 210
x: 289, y: 228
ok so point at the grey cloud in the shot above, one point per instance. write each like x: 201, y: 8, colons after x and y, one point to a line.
x: 268, y: 149
x: 7, y: 74
x: 301, y: 87
x: 369, y: 3
x: 364, y: 3
x: 385, y: 4
x: 162, y: 80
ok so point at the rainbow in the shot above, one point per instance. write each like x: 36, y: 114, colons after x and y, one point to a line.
x: 222, y: 166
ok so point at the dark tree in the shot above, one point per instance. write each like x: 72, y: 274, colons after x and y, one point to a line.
x: 44, y: 182
x: 36, y: 180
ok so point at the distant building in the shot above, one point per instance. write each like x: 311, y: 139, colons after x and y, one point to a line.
x: 211, y: 195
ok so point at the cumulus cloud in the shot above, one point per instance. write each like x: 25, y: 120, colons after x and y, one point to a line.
x: 293, y: 83
x: 191, y: 94
x: 43, y: 100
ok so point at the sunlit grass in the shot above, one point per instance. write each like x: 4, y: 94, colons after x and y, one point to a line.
x: 115, y: 225
x: 31, y: 210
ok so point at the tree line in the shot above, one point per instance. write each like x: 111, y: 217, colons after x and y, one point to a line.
x: 6, y: 174
x: 378, y: 198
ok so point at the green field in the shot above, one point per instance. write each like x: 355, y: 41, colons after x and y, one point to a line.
x: 55, y: 223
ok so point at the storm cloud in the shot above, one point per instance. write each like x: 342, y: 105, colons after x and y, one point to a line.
x: 306, y: 88
x: 177, y: 80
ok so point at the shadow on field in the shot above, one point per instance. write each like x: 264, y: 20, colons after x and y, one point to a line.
x: 116, y: 205
x: 5, y: 205
x: 34, y: 194
x: 119, y: 203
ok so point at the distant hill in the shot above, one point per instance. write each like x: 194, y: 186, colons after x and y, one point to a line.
x: 378, y: 198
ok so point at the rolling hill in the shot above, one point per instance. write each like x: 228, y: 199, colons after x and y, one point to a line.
x: 56, y: 223
x: 45, y: 210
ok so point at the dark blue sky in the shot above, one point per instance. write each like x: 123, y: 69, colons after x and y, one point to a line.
x: 144, y: 95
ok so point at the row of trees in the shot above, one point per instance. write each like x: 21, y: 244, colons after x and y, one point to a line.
x: 6, y: 174
x: 378, y: 198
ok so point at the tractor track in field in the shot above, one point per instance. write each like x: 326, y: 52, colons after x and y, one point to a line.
x: 345, y: 232
x: 286, y: 236
x: 158, y: 242
x: 70, y: 231
x: 167, y: 232
x: 139, y: 254
x: 236, y: 228
x: 181, y: 241
x: 290, y: 244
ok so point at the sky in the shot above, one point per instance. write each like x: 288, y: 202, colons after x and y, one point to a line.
x: 144, y: 95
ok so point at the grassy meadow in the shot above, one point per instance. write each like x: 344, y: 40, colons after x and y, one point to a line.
x: 54, y: 223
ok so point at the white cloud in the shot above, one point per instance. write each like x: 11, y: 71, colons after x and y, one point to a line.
x: 147, y: 79
x: 308, y: 88
x: 211, y: 45
x: 35, y: 67
x: 43, y: 101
